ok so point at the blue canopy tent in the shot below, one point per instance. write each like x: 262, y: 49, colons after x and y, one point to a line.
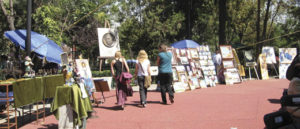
x: 185, y: 44
x: 40, y: 44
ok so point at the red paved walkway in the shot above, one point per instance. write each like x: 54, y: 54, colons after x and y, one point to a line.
x: 241, y: 105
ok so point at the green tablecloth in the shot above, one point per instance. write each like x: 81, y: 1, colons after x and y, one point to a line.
x: 50, y: 83
x: 71, y: 95
x: 27, y: 91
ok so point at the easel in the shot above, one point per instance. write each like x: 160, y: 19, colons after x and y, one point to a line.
x: 106, y: 23
x: 250, y: 65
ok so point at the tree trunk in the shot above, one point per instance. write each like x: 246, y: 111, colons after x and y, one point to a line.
x: 266, y: 20
x: 222, y: 21
x: 259, y: 46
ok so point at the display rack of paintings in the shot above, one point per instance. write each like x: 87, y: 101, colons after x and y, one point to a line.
x: 286, y: 56
x: 207, y: 66
x: 231, y: 72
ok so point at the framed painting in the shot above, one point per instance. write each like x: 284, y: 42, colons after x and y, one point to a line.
x: 248, y: 56
x: 154, y: 70
x: 184, y: 60
x: 175, y: 74
x: 174, y: 57
x: 270, y: 55
x: 183, y: 53
x: 194, y: 53
x: 180, y: 68
x: 183, y: 77
x: 286, y: 55
x: 228, y: 64
x: 226, y: 51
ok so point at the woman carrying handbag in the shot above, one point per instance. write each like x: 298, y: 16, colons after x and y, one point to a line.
x: 142, y: 72
x: 117, y: 66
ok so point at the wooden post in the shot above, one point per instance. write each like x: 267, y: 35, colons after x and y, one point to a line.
x: 100, y: 64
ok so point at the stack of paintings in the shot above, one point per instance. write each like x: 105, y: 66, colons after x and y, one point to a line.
x: 231, y: 72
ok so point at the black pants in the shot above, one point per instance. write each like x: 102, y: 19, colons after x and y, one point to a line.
x: 142, y: 89
x: 165, y: 80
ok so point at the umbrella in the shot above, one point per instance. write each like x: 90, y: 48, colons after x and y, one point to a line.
x: 185, y: 44
x: 40, y: 44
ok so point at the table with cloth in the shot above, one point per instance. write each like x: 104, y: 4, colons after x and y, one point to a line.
x: 71, y: 95
x: 31, y: 90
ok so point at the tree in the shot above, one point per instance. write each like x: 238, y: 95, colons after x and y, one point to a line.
x: 222, y: 21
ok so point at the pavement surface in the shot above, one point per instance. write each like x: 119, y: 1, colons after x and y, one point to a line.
x: 240, y: 106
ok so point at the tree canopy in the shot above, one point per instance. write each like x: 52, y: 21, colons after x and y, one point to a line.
x: 143, y: 24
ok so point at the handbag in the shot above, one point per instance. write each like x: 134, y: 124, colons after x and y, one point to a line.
x: 147, y: 79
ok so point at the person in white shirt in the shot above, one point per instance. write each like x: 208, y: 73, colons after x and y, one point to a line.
x: 142, y: 69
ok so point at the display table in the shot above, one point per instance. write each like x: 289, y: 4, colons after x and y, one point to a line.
x: 65, y: 95
x: 50, y: 83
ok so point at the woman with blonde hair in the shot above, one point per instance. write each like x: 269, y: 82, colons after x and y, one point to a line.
x: 118, y: 65
x: 142, y: 69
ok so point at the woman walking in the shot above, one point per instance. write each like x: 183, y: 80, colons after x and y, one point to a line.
x: 118, y: 65
x: 142, y: 70
x: 165, y: 76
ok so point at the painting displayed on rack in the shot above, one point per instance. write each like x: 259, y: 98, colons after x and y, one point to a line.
x: 194, y: 53
x: 248, y: 56
x: 286, y: 55
x: 228, y: 64
x: 184, y: 60
x: 175, y: 74
x: 154, y: 70
x: 263, y: 66
x: 174, y: 57
x: 282, y: 70
x: 270, y: 55
x: 232, y: 76
x: 226, y: 51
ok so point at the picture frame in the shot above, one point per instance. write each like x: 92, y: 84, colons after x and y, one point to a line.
x: 184, y: 60
x: 154, y: 70
x: 194, y: 53
x: 228, y: 64
x: 174, y: 55
x: 180, y: 68
x: 175, y: 74
x: 226, y: 51
x: 183, y: 53
x: 183, y: 77
x: 286, y: 55
x: 270, y: 54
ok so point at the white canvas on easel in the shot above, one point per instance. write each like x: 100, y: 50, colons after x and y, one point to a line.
x: 286, y: 56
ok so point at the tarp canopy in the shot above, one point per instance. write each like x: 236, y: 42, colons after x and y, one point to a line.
x: 185, y: 44
x: 40, y: 44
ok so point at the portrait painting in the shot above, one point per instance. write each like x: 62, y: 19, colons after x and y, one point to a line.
x: 108, y: 42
